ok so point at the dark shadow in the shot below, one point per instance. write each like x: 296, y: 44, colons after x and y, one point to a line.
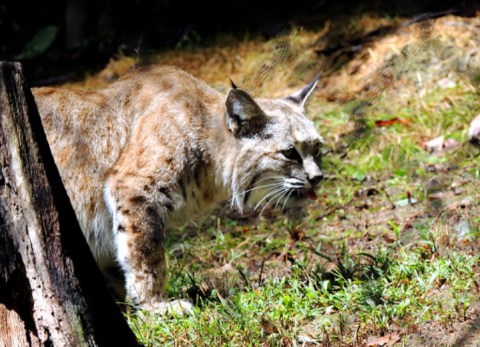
x: 89, y: 33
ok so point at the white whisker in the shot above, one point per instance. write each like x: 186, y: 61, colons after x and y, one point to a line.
x: 273, y: 192
x: 286, y: 200
x: 255, y: 188
x: 273, y: 198
x: 273, y: 178
x: 281, y: 196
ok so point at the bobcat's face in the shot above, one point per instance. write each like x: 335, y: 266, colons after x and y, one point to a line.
x: 278, y: 150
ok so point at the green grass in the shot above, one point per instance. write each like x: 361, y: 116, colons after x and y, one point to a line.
x: 379, y: 253
x: 391, y: 289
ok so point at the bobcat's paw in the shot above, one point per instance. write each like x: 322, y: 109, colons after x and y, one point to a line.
x: 169, y: 308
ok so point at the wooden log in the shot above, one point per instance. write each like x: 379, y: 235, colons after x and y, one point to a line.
x: 51, y: 291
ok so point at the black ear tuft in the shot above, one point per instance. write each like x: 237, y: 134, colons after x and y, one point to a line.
x: 234, y: 86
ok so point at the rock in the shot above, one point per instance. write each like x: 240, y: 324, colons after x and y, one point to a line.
x: 446, y: 83
x: 439, y: 144
x: 462, y: 228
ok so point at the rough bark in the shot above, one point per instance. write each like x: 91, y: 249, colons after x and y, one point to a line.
x: 51, y: 291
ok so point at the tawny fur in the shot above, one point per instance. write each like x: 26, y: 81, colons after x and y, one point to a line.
x: 159, y: 147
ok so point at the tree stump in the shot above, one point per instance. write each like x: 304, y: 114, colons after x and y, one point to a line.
x: 51, y: 291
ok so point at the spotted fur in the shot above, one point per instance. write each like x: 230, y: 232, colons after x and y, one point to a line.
x: 159, y: 147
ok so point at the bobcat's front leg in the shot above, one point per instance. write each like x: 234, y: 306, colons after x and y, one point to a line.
x: 139, y: 231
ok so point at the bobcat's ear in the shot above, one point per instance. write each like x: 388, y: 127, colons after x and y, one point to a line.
x: 301, y: 97
x: 244, y: 117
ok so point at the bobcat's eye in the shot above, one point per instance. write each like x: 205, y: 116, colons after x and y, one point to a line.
x: 292, y: 154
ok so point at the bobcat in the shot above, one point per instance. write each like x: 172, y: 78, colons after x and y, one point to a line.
x: 159, y: 147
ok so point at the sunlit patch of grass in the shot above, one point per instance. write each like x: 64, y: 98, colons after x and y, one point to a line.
x: 391, y: 289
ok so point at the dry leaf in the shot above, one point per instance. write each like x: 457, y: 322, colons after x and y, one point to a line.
x: 387, y: 340
x: 389, y: 122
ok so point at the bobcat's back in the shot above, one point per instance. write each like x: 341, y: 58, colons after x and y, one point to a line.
x: 88, y: 130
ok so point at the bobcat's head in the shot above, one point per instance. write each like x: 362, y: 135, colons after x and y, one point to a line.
x: 278, y: 153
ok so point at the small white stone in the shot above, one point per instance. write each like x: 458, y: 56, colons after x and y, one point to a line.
x: 305, y: 339
x: 446, y: 83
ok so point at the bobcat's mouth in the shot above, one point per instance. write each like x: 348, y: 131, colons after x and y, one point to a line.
x: 299, y: 192
x: 310, y: 194
x: 302, y: 194
x: 287, y: 193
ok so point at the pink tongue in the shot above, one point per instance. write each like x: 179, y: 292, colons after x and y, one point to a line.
x: 311, y: 195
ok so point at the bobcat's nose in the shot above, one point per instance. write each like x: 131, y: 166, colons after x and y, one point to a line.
x: 315, y: 179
